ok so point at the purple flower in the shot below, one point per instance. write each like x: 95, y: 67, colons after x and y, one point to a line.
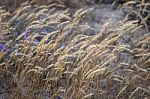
x: 3, y: 48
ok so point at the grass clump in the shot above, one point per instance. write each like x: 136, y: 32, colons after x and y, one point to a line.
x: 45, y: 53
x: 139, y: 10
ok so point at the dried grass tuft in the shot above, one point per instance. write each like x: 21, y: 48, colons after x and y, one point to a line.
x: 45, y: 54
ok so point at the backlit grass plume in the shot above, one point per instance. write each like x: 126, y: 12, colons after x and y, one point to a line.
x: 46, y: 53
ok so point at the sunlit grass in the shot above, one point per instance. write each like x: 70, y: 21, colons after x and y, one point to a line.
x: 44, y: 53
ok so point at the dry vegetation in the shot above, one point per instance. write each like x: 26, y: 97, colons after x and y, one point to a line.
x: 46, y: 54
